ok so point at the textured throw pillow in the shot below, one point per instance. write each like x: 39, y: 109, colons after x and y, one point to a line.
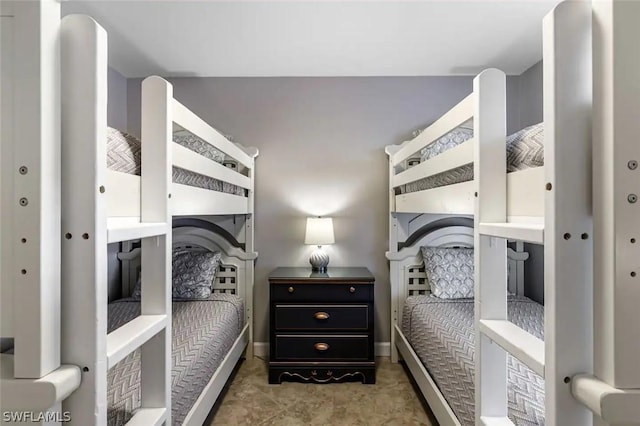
x: 525, y: 148
x: 446, y: 142
x: 449, y: 271
x: 193, y: 275
x: 123, y: 152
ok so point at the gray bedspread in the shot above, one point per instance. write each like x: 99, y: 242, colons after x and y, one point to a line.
x: 124, y: 155
x: 442, y: 333
x: 203, y: 333
x: 525, y: 149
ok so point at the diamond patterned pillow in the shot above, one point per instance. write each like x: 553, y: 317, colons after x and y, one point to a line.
x: 446, y: 142
x: 193, y: 274
x: 449, y: 271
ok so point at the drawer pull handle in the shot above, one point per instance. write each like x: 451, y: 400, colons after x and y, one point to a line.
x: 321, y: 315
x: 352, y: 289
x: 291, y: 289
x: 321, y: 346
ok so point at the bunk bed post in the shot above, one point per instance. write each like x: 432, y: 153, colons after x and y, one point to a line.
x: 155, y: 192
x: 31, y: 185
x: 250, y: 248
x: 84, y: 247
x: 568, y: 223
x: 489, y: 89
x: 615, y: 182
x: 396, y: 299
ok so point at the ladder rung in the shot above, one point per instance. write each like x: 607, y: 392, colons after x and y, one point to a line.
x: 36, y: 394
x: 496, y: 421
x: 522, y: 345
x: 126, y: 339
x: 130, y: 228
x: 529, y: 232
x: 148, y: 417
x: 614, y: 406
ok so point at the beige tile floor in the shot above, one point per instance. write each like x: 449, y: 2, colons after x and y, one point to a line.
x: 250, y: 400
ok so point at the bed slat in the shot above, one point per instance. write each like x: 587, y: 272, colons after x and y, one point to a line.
x: 456, y: 116
x: 524, y: 346
x: 529, y: 232
x: 192, y: 161
x: 130, y: 228
x: 496, y: 421
x: 132, y: 335
x: 448, y: 160
x: 194, y: 124
x: 148, y: 417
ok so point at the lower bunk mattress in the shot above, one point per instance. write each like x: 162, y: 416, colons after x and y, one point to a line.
x: 124, y: 155
x: 203, y: 332
x: 441, y: 332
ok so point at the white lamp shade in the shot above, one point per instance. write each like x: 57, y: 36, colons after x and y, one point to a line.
x: 319, y: 231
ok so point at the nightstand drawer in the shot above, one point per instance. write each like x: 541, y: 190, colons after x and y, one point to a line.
x: 325, y: 292
x: 322, y: 347
x: 321, y: 317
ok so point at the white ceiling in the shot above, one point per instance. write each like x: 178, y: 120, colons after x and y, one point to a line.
x: 319, y: 38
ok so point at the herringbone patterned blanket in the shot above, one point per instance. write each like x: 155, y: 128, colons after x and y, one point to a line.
x: 203, y: 332
x: 124, y: 155
x: 442, y: 333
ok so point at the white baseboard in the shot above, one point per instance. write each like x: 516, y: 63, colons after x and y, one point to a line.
x: 261, y: 349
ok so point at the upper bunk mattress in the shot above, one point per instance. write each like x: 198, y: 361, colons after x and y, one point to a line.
x: 525, y: 149
x: 203, y: 332
x: 124, y: 155
x: 442, y: 333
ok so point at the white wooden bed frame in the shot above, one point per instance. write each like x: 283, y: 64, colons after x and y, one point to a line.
x: 62, y: 350
x: 232, y: 278
x: 118, y: 207
x: 407, y: 271
x: 590, y: 377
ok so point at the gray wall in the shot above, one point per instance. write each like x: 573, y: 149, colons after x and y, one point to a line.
x: 117, y: 118
x: 321, y: 144
x: 530, y: 96
x: 117, y: 100
x: 530, y: 112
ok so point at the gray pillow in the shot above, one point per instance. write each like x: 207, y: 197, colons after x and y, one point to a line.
x: 449, y: 271
x: 525, y: 149
x: 193, y: 274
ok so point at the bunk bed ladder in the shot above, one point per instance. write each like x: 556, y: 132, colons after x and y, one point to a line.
x: 32, y: 378
x: 87, y: 231
x: 612, y: 390
x: 566, y: 230
x: 489, y: 89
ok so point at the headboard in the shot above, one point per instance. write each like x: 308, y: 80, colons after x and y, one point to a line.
x: 231, y: 277
x: 407, y: 273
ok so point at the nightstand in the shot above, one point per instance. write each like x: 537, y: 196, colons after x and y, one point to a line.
x: 321, y: 325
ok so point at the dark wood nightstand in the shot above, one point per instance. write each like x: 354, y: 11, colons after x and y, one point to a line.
x: 321, y: 325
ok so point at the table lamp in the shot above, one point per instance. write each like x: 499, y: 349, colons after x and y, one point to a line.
x: 319, y: 233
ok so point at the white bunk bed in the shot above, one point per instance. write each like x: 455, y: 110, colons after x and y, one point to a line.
x: 550, y: 205
x: 210, y: 337
x: 32, y: 377
x: 101, y: 206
